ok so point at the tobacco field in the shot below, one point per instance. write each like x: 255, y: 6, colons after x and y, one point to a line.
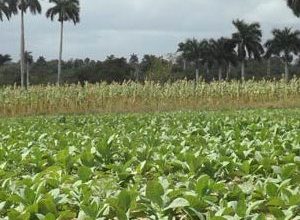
x: 182, y: 165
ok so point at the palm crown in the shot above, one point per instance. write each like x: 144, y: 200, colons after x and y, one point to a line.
x: 295, y: 6
x: 248, y: 39
x: 33, y: 6
x: 66, y: 10
x: 190, y: 49
x: 284, y: 43
x: 4, y: 59
x: 28, y: 57
x: 223, y: 51
x: 4, y: 10
x: 194, y: 51
x: 207, y: 54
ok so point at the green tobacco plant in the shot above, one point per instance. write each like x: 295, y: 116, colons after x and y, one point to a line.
x: 184, y: 165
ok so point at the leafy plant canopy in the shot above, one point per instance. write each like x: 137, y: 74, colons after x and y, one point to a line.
x: 243, y: 165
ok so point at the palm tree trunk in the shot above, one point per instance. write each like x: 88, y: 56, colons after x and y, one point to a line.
x: 184, y: 65
x: 27, y: 75
x: 243, y: 70
x: 220, y: 73
x: 286, y: 71
x: 197, y: 74
x: 269, y: 68
x: 228, y: 71
x: 22, y: 62
x: 60, y: 52
x: 136, y: 74
x: 207, y: 71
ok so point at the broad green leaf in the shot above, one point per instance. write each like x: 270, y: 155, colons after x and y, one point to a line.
x: 202, y: 184
x: 277, y: 213
x: 276, y: 202
x: 178, y: 203
x: 241, y: 207
x: 67, y: 215
x: 47, y: 205
x: 2, y: 205
x: 154, y: 192
x: 272, y: 189
x: 29, y: 195
x: 261, y: 217
x: 50, y: 216
x: 87, y: 158
x: 125, y: 199
x: 84, y: 173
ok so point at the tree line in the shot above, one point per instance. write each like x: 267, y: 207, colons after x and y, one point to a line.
x: 225, y: 58
x: 244, y: 45
x: 63, y: 10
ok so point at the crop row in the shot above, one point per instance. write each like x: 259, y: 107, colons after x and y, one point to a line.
x: 134, y: 97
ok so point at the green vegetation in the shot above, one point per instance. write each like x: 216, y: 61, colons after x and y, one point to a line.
x: 189, y: 165
x: 234, y: 163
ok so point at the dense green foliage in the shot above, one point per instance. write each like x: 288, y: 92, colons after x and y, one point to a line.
x: 120, y: 70
x: 185, y: 165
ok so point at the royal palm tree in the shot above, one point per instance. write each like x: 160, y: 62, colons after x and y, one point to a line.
x: 223, y: 54
x: 268, y: 56
x: 192, y: 51
x: 134, y: 63
x: 231, y: 56
x: 4, y: 10
x: 207, y: 52
x: 65, y: 10
x: 285, y: 44
x: 295, y: 6
x: 23, y: 6
x: 248, y: 40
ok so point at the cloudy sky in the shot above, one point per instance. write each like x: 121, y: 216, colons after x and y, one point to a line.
x: 122, y: 27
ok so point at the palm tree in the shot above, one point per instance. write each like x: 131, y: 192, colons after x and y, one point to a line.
x: 268, y: 56
x: 28, y: 60
x: 66, y: 10
x: 223, y: 53
x: 4, y: 59
x: 23, y: 5
x: 207, y: 52
x: 248, y: 40
x: 192, y: 51
x: 231, y: 56
x: 134, y: 63
x: 285, y: 44
x: 295, y: 6
x: 4, y: 10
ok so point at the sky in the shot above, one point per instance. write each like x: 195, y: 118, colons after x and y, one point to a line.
x: 123, y: 27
